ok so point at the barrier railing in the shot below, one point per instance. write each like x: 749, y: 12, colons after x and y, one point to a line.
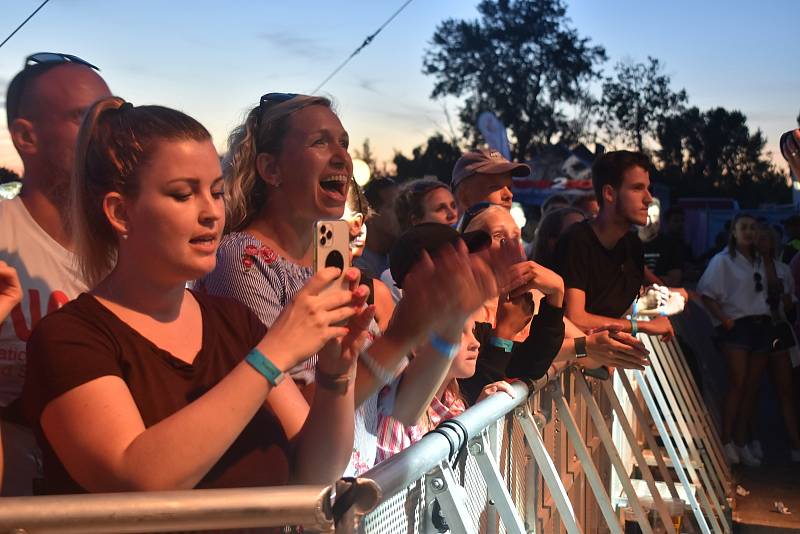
x: 543, y: 463
x: 539, y: 462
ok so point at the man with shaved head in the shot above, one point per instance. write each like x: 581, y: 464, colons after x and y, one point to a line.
x: 45, y: 103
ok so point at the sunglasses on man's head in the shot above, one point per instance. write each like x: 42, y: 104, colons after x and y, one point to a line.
x: 757, y: 280
x: 41, y: 58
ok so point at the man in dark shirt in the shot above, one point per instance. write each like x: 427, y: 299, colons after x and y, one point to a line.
x: 602, y: 260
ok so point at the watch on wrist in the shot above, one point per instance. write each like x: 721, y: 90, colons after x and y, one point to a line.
x: 580, y: 347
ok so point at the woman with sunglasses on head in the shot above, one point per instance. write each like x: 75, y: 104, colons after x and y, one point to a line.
x: 141, y: 384
x: 518, y: 343
x: 779, y: 288
x: 287, y: 167
x: 733, y: 291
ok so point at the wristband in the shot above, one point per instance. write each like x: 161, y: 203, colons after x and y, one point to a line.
x: 263, y: 365
x: 383, y: 375
x: 336, y: 383
x: 506, y: 344
x: 634, y: 327
x: 446, y: 349
x: 580, y: 347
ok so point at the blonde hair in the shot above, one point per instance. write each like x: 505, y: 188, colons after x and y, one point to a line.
x: 114, y: 140
x: 263, y: 131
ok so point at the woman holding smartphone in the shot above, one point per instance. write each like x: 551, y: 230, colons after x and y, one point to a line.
x: 141, y: 384
x: 287, y: 167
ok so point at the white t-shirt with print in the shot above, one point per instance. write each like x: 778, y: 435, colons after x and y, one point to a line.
x: 49, y: 280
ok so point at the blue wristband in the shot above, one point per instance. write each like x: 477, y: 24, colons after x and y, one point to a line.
x: 634, y: 325
x: 506, y: 344
x: 446, y: 349
x: 263, y: 365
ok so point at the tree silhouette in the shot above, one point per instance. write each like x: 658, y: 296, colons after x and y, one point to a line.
x: 713, y: 153
x: 436, y: 157
x: 520, y: 60
x: 637, y: 100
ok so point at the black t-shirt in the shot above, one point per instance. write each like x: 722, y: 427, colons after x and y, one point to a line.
x: 662, y: 255
x: 611, y: 279
x: 84, y: 340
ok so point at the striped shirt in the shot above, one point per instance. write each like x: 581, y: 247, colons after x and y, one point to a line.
x: 255, y: 275
x: 394, y: 436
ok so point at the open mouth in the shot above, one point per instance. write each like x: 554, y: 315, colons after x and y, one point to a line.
x: 204, y: 241
x: 335, y: 186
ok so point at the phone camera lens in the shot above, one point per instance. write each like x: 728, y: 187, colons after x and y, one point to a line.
x: 323, y: 241
x: 329, y: 234
x: 322, y: 229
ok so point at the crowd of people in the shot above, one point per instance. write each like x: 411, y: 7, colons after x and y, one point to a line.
x: 163, y: 325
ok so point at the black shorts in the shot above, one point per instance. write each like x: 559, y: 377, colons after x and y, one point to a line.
x: 753, y: 333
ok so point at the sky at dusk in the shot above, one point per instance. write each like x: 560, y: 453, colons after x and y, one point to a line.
x: 214, y: 59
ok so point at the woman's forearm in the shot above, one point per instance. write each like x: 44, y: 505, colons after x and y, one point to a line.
x: 325, y: 443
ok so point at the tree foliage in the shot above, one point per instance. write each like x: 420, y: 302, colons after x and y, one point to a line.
x: 436, y: 157
x: 636, y: 100
x: 520, y: 60
x: 713, y: 153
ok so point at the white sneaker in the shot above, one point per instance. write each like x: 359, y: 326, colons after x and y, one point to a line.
x: 755, y: 448
x: 796, y: 455
x: 747, y: 457
x: 731, y: 453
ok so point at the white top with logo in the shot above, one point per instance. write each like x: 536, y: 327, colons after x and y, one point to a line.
x: 49, y: 280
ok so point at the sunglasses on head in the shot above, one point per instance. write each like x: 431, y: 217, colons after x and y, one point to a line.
x: 757, y: 280
x: 472, y: 212
x: 42, y: 58
x: 275, y: 98
x: 30, y: 72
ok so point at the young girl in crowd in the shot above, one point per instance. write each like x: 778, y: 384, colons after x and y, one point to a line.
x: 10, y: 296
x: 141, y: 384
x: 733, y: 288
x: 448, y: 402
x: 287, y: 167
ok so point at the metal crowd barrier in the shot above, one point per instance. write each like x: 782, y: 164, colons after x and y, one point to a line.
x: 540, y: 462
x: 543, y: 462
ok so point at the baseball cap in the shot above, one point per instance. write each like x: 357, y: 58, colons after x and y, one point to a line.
x: 485, y: 161
x: 429, y: 237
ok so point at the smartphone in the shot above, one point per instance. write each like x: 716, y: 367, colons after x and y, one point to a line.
x: 332, y: 247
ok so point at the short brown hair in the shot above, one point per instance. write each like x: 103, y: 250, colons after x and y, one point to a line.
x: 609, y: 168
x: 114, y: 141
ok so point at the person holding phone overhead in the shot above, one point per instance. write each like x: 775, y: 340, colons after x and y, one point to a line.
x: 287, y: 167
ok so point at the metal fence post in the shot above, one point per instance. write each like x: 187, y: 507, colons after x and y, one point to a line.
x: 673, y: 455
x: 442, y: 486
x: 549, y: 472
x: 589, y: 469
x: 496, y: 488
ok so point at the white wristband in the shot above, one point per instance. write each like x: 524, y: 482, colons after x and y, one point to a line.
x: 384, y: 375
